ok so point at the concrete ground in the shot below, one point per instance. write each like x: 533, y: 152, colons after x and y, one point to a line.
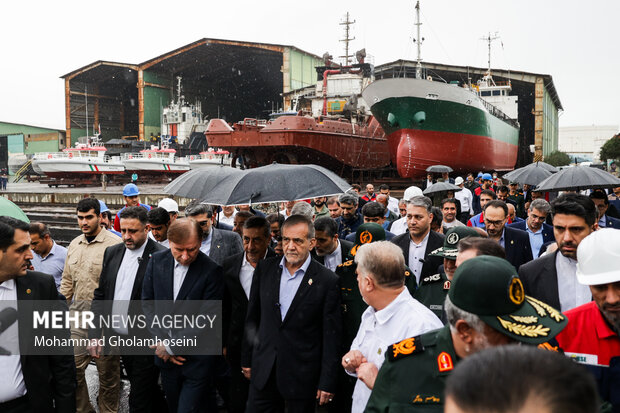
x: 92, y: 379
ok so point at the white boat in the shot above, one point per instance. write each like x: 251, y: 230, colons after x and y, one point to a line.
x: 210, y: 158
x: 155, y: 161
x: 85, y: 159
x: 180, y: 119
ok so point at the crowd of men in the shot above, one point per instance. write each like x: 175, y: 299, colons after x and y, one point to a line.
x: 359, y: 302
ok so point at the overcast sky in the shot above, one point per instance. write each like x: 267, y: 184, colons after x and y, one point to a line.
x: 576, y: 42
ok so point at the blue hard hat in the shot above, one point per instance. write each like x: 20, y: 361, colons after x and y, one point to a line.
x: 132, y: 190
x: 102, y: 206
x: 485, y: 177
x: 479, y: 175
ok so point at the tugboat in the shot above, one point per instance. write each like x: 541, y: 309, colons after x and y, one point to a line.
x: 328, y: 124
x: 180, y: 119
x: 210, y: 158
x: 429, y: 122
x: 86, y: 160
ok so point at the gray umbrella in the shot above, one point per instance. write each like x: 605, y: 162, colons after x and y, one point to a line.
x: 544, y: 165
x: 275, y: 183
x: 439, y: 169
x: 576, y: 178
x: 441, y: 187
x: 532, y: 174
x: 199, y: 183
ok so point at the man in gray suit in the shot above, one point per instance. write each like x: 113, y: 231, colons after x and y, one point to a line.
x: 217, y: 244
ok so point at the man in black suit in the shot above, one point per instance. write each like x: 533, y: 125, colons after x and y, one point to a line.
x: 183, y: 273
x: 218, y: 244
x: 515, y: 241
x: 292, y: 331
x: 120, y: 282
x: 41, y: 383
x: 599, y: 197
x: 552, y: 278
x: 329, y: 250
x: 538, y: 231
x: 420, y: 241
x: 238, y: 274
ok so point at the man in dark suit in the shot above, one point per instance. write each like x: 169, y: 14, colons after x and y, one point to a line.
x: 238, y: 274
x: 183, y: 273
x: 539, y: 232
x: 292, y: 331
x: 515, y: 242
x: 119, y: 293
x: 599, y: 197
x: 552, y: 278
x: 420, y: 241
x: 41, y: 383
x: 216, y: 243
x: 329, y: 249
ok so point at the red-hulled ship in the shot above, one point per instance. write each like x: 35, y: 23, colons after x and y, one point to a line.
x: 333, y: 129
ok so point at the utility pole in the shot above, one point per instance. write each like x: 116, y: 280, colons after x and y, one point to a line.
x: 347, y: 26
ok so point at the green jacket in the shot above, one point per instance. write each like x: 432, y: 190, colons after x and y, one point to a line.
x: 432, y: 293
x: 351, y: 300
x: 413, y: 376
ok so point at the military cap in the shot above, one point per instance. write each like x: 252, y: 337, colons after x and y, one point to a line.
x: 367, y: 233
x: 451, y: 242
x: 490, y: 288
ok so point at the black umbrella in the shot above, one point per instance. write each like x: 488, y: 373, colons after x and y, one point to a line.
x: 441, y: 187
x: 576, y: 178
x: 544, y: 165
x: 199, y: 183
x: 439, y: 169
x: 532, y: 174
x: 276, y: 183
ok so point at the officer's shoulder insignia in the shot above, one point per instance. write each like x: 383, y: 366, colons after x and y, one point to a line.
x: 346, y: 263
x: 423, y: 399
x: 404, y: 348
x: 432, y: 278
x: 444, y: 362
x: 446, y: 285
x: 547, y: 346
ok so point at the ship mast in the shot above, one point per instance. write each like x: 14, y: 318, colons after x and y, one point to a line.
x: 418, y: 40
x: 347, y: 25
x: 489, y: 39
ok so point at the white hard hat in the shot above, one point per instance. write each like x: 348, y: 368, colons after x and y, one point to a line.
x: 169, y: 205
x: 458, y: 180
x: 598, y: 257
x: 411, y: 192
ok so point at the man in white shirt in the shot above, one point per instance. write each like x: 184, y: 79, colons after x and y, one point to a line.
x: 227, y: 216
x: 392, y: 202
x: 48, y: 257
x: 392, y: 315
x: 466, y: 198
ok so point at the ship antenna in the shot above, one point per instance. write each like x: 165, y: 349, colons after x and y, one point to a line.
x: 347, y: 25
x: 86, y: 105
x: 489, y: 39
x: 179, y: 89
x: 418, y: 40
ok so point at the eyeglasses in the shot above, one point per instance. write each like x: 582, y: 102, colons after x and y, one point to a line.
x: 494, y: 223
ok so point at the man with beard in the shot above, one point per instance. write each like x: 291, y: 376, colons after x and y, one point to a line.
x: 592, y: 337
x: 329, y: 249
x: 131, y: 194
x: 158, y: 220
x: 514, y: 241
x: 320, y: 209
x: 552, y: 277
x: 334, y: 207
x: 486, y: 307
x: 80, y: 278
x: 350, y: 219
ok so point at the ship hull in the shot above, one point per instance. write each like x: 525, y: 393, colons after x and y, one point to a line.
x: 155, y: 167
x: 301, y: 139
x: 429, y: 123
x: 58, y: 168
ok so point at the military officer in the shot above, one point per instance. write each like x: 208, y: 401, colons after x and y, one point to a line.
x: 434, y: 288
x: 486, y: 307
x: 353, y: 306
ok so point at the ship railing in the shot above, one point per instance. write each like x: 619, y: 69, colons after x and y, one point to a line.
x: 70, y: 155
x: 493, y: 110
x: 148, y: 155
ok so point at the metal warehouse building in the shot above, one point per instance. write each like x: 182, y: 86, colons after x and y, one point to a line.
x: 232, y: 79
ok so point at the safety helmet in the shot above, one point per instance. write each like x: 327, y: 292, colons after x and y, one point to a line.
x: 598, y: 256
x: 169, y: 205
x: 411, y: 192
x: 131, y: 190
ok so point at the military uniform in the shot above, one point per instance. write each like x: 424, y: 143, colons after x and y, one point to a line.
x: 519, y: 200
x: 432, y: 293
x: 423, y: 363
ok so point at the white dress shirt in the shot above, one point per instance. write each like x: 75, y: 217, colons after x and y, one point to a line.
x: 416, y: 256
x: 245, y: 276
x: 393, y: 205
x: 465, y: 196
x: 125, y: 280
x: 180, y: 271
x: 572, y: 294
x: 403, y: 318
x: 334, y: 259
x: 13, y: 385
x: 205, y: 246
x: 223, y: 219
x: 399, y: 226
x: 165, y: 243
